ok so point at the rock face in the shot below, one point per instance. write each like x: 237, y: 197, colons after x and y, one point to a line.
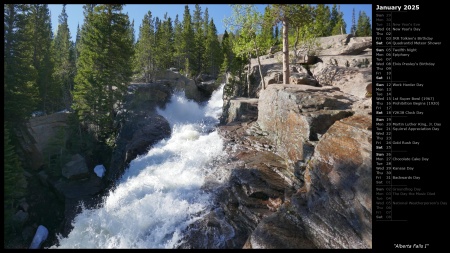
x: 337, y: 207
x: 44, y: 128
x: 342, y: 51
x: 354, y: 81
x: 296, y: 115
x: 28, y: 149
x: 240, y: 109
x: 35, y: 136
x: 260, y: 202
x: 302, y: 78
x: 76, y: 168
x: 140, y: 126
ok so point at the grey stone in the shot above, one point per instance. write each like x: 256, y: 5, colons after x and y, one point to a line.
x: 76, y: 168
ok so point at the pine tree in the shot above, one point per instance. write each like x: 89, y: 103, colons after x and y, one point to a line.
x: 20, y: 89
x: 277, y: 35
x: 14, y: 183
x: 131, y: 31
x: 205, y: 29
x: 322, y: 20
x: 77, y: 44
x: 104, y: 67
x: 187, y: 46
x: 178, y: 44
x: 227, y: 52
x: 225, y: 66
x: 353, y: 27
x: 205, y: 23
x: 337, y: 21
x: 364, y: 27
x: 213, y: 52
x: 164, y: 43
x: 266, y: 38
x: 199, y: 40
x: 13, y: 170
x: 144, y: 61
x: 40, y: 32
x: 64, y: 58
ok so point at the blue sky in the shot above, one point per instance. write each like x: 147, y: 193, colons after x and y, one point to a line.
x: 216, y: 11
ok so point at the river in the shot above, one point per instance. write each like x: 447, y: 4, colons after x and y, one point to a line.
x: 160, y: 193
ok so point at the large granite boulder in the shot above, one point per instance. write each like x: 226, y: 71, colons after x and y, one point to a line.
x: 29, y: 154
x: 35, y: 136
x: 302, y: 78
x: 239, y: 109
x: 345, y: 44
x: 295, y: 115
x: 278, y: 231
x: 252, y: 181
x: 44, y: 128
x: 76, y: 168
x: 336, y: 207
x: 356, y: 45
x: 273, y: 77
x: 354, y: 81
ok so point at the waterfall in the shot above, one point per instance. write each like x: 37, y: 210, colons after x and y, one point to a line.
x: 160, y: 193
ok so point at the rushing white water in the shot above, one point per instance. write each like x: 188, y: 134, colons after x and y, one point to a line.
x: 160, y: 193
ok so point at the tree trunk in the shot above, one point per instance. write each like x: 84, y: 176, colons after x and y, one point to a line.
x: 248, y: 73
x: 286, y: 73
x: 297, y: 35
x: 259, y: 66
x: 111, y: 107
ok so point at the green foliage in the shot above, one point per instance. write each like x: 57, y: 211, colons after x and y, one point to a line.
x: 163, y: 49
x: 337, y: 22
x: 178, y: 50
x: 304, y: 38
x: 14, y: 183
x: 187, y: 43
x: 104, y: 67
x: 79, y: 140
x: 13, y: 170
x: 225, y: 64
x: 144, y: 60
x: 20, y: 76
x: 267, y: 38
x: 40, y: 34
x: 191, y: 45
x: 227, y: 50
x: 364, y: 27
x: 353, y: 27
x: 322, y: 21
x: 199, y: 41
x: 64, y: 55
x: 296, y: 16
x: 213, y: 56
x: 246, y: 22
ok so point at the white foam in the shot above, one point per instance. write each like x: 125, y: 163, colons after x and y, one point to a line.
x: 160, y: 194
